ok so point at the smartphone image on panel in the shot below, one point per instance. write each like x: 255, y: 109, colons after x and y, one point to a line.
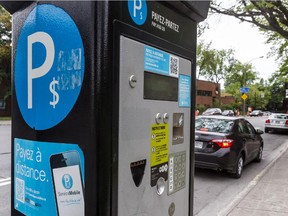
x: 67, y: 182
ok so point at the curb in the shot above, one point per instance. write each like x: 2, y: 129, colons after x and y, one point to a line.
x: 253, y: 183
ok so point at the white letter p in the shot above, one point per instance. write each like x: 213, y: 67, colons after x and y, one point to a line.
x: 48, y: 43
x: 137, y: 7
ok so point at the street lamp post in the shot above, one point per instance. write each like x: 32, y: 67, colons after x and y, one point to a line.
x: 244, y: 82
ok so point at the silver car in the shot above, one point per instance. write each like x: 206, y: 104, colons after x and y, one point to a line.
x: 276, y: 122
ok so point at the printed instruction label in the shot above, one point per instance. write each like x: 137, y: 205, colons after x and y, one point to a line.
x: 159, y: 148
x: 160, y: 62
x: 184, y: 91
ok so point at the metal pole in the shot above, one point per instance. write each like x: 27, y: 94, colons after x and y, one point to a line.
x: 244, y: 105
x: 244, y: 75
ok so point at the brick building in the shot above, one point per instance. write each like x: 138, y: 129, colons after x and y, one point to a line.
x: 207, y: 93
x: 227, y: 99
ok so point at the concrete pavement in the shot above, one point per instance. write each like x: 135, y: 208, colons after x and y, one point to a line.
x: 267, y: 194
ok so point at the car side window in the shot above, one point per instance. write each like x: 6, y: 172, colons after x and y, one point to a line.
x: 240, y: 127
x: 250, y: 128
x: 243, y: 128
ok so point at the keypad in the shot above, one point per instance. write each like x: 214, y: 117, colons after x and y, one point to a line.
x: 177, y: 172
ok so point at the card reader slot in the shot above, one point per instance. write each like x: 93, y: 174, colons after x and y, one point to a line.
x: 178, y: 128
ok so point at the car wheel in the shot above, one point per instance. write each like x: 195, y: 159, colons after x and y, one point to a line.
x: 238, y: 168
x: 259, y: 155
x: 266, y: 130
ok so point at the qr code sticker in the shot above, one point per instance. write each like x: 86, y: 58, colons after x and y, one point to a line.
x: 174, y: 66
x: 20, y: 190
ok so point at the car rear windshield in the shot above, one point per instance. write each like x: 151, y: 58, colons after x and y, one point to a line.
x: 280, y: 116
x: 214, y: 125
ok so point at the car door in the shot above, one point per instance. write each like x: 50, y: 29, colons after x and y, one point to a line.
x: 254, y: 142
x: 247, y: 140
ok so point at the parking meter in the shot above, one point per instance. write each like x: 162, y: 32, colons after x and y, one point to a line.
x: 103, y: 107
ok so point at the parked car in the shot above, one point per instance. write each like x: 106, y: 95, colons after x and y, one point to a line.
x: 228, y: 113
x: 226, y: 143
x: 212, y: 111
x: 256, y: 113
x: 276, y: 122
x: 266, y: 113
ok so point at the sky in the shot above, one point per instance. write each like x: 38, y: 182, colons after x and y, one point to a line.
x: 249, y: 44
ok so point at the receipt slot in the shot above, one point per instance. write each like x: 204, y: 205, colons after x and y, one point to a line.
x: 103, y: 107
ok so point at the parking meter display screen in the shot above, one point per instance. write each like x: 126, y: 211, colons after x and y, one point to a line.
x: 160, y: 87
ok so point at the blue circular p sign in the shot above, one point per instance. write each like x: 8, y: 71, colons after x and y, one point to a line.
x: 49, y: 66
x: 67, y: 181
x: 138, y: 11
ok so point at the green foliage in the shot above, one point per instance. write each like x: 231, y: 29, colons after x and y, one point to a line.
x: 267, y: 15
x: 277, y: 89
x: 258, y: 97
x: 272, y: 20
x: 228, y: 107
x: 216, y: 103
x: 213, y: 64
x: 5, y: 27
x: 201, y: 108
x: 240, y: 73
x: 5, y: 52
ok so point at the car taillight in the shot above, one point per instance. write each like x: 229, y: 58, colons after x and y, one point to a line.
x: 267, y: 121
x: 223, y: 143
x: 286, y: 123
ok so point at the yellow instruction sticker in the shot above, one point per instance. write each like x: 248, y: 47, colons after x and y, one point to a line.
x: 159, y: 144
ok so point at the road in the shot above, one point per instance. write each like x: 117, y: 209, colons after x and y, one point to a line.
x: 213, y: 191
x: 5, y: 169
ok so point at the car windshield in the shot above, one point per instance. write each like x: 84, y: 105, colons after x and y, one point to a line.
x: 210, y: 110
x: 226, y: 111
x: 214, y: 125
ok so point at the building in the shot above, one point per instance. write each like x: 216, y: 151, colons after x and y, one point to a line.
x: 227, y: 99
x: 207, y: 93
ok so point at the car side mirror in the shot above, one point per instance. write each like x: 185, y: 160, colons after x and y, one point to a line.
x: 259, y: 131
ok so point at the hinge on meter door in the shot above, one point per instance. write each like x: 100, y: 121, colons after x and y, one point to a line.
x: 137, y: 170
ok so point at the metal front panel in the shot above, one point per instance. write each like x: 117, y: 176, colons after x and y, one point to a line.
x: 150, y: 141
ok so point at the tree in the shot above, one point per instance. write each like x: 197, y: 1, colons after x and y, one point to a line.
x: 240, y: 73
x: 270, y: 16
x: 277, y: 90
x: 5, y: 52
x: 213, y: 64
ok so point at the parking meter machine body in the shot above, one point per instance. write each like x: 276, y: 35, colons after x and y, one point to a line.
x: 103, y: 107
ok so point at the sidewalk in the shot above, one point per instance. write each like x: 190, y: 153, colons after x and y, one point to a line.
x: 5, y: 122
x: 268, y: 195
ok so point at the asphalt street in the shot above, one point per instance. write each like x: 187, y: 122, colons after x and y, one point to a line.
x: 5, y: 169
x: 213, y: 191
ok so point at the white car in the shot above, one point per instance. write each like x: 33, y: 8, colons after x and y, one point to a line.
x: 276, y: 122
